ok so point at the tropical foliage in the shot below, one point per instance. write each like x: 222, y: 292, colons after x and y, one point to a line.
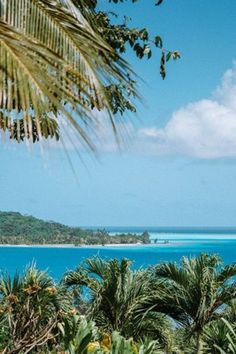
x: 201, y: 288
x: 31, y: 306
x: 115, y: 296
x: 106, y: 307
x: 53, y: 64
x: 61, y: 61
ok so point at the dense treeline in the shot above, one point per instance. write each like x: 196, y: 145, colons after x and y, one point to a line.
x: 18, y: 229
x: 106, y: 307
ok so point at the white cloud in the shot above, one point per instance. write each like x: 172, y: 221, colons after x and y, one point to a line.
x: 203, y: 129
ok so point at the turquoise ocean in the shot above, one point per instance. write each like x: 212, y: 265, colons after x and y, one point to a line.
x: 182, y: 242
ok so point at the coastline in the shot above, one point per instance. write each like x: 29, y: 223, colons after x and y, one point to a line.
x: 172, y: 242
x: 111, y: 245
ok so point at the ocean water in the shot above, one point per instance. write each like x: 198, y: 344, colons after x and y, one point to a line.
x: 59, y: 260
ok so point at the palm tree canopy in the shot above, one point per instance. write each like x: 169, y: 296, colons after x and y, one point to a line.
x: 194, y: 292
x: 115, y: 297
x: 52, y: 65
x: 114, y: 289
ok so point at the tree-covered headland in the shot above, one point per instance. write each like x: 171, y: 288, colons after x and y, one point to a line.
x: 20, y: 229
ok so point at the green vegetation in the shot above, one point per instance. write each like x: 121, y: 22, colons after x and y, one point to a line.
x: 63, y: 59
x: 106, y: 307
x: 18, y: 229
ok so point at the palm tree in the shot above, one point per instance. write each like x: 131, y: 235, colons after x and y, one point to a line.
x: 115, y: 295
x: 53, y: 66
x: 31, y: 306
x: 195, y: 292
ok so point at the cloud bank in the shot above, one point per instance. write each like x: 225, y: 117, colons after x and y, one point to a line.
x: 204, y: 129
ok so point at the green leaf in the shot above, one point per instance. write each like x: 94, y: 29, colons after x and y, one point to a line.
x: 168, y: 56
x: 158, y: 42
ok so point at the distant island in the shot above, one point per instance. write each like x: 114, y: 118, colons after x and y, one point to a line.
x: 18, y: 229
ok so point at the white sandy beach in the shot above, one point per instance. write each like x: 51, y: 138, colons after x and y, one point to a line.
x: 112, y: 245
x: 173, y: 240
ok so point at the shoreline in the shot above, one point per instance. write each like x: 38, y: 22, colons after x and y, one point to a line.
x: 110, y: 245
x: 172, y: 242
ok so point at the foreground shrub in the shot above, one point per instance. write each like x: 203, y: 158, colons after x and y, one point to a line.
x: 30, y: 307
x: 87, y: 339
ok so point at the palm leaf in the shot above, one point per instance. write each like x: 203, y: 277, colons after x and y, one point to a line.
x: 52, y: 64
x: 227, y: 272
x: 231, y: 338
x: 172, y: 272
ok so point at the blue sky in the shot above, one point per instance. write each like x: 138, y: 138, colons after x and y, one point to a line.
x: 180, y: 167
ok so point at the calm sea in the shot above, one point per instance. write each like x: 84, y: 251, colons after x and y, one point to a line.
x: 182, y: 242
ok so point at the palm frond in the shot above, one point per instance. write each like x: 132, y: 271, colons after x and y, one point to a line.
x: 231, y: 339
x: 97, y: 266
x: 18, y: 128
x: 77, y: 277
x: 52, y: 64
x: 172, y: 272
x: 227, y: 272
